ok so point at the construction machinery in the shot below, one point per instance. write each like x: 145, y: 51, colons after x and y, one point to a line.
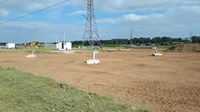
x: 35, y: 44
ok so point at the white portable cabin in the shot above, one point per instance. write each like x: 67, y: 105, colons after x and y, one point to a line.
x: 10, y: 45
x: 64, y: 46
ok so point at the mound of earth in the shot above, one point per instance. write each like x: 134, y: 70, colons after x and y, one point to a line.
x: 186, y: 48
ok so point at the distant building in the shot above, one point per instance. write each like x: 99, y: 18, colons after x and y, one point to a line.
x: 64, y: 45
x: 10, y: 45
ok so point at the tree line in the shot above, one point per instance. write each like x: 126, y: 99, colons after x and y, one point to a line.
x: 146, y: 41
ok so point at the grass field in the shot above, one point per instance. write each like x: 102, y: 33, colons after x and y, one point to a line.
x: 163, y: 48
x: 23, y: 92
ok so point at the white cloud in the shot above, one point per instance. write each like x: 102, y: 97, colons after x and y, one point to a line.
x: 55, y: 14
x: 108, y: 5
x: 4, y: 13
x: 174, y: 21
x: 133, y: 17
x: 27, y: 5
x: 129, y: 18
x: 147, y: 18
x: 77, y: 13
x: 45, y: 32
x: 133, y: 5
x: 107, y: 20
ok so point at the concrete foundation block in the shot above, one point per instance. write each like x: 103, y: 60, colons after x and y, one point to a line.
x: 93, y: 62
x: 31, y: 56
x: 157, y: 54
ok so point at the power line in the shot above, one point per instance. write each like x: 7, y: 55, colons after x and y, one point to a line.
x: 2, y: 1
x: 31, y: 13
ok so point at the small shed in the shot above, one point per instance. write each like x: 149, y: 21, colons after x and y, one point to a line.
x: 64, y: 45
x: 10, y: 45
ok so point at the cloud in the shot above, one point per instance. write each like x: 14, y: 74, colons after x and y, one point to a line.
x: 133, y: 5
x: 4, y: 13
x: 174, y: 18
x: 175, y: 21
x: 108, y: 5
x: 41, y: 31
x: 10, y: 9
x: 133, y: 17
x: 107, y: 20
x: 77, y: 13
x: 27, y: 5
x: 55, y: 14
x: 128, y: 18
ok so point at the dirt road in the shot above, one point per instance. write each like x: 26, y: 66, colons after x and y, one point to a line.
x: 170, y: 83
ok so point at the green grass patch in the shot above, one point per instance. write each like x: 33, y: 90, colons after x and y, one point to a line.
x: 163, y: 48
x: 37, y: 50
x: 113, y: 45
x: 24, y: 92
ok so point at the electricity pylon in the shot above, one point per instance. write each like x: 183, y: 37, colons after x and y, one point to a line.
x: 131, y: 36
x: 91, y: 33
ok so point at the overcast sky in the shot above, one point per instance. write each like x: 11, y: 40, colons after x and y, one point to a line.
x: 115, y: 18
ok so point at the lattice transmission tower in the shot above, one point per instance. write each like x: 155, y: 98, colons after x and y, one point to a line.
x: 131, y: 36
x: 91, y: 33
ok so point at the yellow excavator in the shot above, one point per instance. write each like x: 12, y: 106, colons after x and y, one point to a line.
x: 35, y: 44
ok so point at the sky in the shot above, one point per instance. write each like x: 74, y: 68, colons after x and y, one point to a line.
x: 115, y: 19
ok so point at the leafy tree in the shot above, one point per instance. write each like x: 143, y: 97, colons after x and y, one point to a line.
x: 143, y: 41
x: 195, y: 39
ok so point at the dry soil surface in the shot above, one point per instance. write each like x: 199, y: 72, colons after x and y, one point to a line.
x: 170, y: 83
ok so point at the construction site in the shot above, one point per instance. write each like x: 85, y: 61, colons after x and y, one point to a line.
x: 144, y: 75
x: 133, y: 77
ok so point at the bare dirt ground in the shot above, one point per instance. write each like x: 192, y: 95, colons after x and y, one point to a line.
x: 170, y: 83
